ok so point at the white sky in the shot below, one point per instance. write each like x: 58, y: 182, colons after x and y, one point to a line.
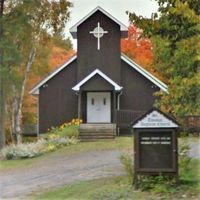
x: 117, y: 8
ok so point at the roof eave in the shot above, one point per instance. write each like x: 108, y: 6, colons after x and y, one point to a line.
x: 123, y: 28
x: 78, y: 89
x: 96, y: 71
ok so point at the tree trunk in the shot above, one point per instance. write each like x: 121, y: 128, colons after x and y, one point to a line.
x: 18, y: 117
x: 2, y: 127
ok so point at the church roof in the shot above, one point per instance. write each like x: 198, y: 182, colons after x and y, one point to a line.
x: 73, y: 29
x: 131, y: 63
x: 96, y: 71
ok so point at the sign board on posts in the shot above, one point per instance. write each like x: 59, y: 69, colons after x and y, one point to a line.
x: 155, y: 144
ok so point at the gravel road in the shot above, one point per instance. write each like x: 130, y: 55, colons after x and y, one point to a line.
x: 58, y: 171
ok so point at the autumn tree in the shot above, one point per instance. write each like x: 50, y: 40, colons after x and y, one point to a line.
x: 175, y: 33
x: 137, y: 47
x: 54, y: 54
x: 2, y: 133
x: 27, y: 26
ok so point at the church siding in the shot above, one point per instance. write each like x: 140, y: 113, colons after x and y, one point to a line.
x: 97, y: 83
x: 107, y: 59
x: 57, y: 101
x: 138, y: 91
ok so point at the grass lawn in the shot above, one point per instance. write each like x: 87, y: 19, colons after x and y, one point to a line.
x: 119, y: 188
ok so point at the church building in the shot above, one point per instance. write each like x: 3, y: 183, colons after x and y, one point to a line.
x: 96, y: 82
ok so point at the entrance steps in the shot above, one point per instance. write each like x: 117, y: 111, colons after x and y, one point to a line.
x: 94, y: 132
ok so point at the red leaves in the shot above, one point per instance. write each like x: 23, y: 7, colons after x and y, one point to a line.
x: 137, y: 47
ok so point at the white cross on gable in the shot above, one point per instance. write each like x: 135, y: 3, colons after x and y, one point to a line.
x: 98, y: 32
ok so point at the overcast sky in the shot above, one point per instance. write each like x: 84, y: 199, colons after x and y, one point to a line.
x: 117, y: 8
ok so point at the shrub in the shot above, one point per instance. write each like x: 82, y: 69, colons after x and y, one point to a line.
x: 64, y: 135
x: 157, y: 184
x: 56, y: 141
x: 127, y: 162
x: 71, y: 131
x: 184, y: 160
x: 28, y: 150
x: 68, y: 129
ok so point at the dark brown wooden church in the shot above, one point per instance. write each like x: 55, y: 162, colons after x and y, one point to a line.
x: 99, y: 81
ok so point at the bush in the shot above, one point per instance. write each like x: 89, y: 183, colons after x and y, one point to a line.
x: 127, y: 162
x: 55, y: 141
x: 184, y: 161
x: 64, y: 135
x: 69, y: 129
x: 28, y: 150
x: 157, y: 184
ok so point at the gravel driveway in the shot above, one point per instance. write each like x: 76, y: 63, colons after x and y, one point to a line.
x: 57, y: 171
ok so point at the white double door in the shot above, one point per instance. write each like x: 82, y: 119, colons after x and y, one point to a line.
x: 98, y: 107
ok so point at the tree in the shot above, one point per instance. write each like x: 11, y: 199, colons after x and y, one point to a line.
x: 28, y: 25
x: 48, y: 58
x: 2, y: 133
x: 175, y: 33
x: 135, y: 44
x: 139, y: 48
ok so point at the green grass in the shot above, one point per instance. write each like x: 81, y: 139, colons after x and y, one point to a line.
x: 105, y: 189
x: 119, y: 188
x: 185, y: 140
x: 120, y: 143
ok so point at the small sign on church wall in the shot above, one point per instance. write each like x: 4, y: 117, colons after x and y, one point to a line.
x: 155, y: 144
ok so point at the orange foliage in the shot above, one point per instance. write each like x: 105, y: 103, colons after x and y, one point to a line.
x: 57, y: 57
x: 139, y: 49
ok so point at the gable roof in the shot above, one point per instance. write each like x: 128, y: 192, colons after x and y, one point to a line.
x: 145, y: 73
x: 155, y: 118
x: 142, y: 71
x: 96, y: 71
x: 35, y: 90
x: 73, y: 29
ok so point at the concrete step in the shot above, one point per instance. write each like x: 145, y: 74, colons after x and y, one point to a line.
x: 97, y: 131
x: 97, y: 137
x: 98, y: 128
